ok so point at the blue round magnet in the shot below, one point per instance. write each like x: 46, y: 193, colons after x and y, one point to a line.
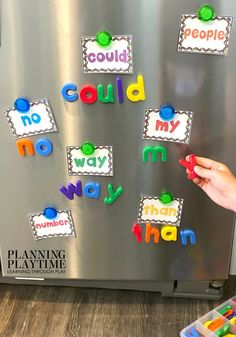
x: 167, y: 112
x: 50, y: 213
x: 22, y: 104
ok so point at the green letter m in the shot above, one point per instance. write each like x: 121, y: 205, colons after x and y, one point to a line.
x: 154, y: 150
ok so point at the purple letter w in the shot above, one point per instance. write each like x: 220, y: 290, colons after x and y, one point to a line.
x: 72, y: 189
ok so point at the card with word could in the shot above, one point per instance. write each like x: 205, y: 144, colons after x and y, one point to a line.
x: 210, y: 37
x: 61, y: 226
x: 177, y: 130
x: 100, y: 163
x: 38, y: 120
x: 117, y: 58
x: 152, y: 210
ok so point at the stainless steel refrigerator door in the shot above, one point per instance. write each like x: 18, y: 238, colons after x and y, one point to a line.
x: 40, y: 52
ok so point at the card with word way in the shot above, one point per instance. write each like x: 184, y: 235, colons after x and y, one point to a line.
x: 210, y: 37
x: 43, y: 227
x: 152, y: 210
x: 100, y: 163
x: 177, y: 130
x: 117, y: 58
x: 38, y: 120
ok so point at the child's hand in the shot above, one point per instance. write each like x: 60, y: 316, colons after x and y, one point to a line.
x: 217, y: 181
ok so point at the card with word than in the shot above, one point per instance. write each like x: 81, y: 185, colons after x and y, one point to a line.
x: 177, y: 130
x: 210, y: 37
x: 100, y: 163
x: 61, y: 226
x: 117, y: 59
x: 38, y: 120
x: 152, y: 210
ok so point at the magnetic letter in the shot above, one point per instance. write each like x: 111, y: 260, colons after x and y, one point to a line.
x: 110, y: 94
x: 169, y: 233
x: 24, y: 144
x: 43, y: 147
x: 72, y: 189
x: 65, y: 92
x: 120, y: 93
x: 137, y: 231
x: 113, y: 195
x: 188, y: 233
x: 151, y: 231
x: 192, y: 333
x: 154, y: 150
x: 92, y: 190
x: 88, y: 94
x: 136, y: 92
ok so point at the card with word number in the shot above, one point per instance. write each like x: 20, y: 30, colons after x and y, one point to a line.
x: 61, y: 226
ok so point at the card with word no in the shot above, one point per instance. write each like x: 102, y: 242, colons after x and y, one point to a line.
x: 204, y: 37
x: 100, y: 163
x: 61, y: 226
x: 152, y: 210
x: 38, y: 120
x: 117, y: 58
x: 177, y: 130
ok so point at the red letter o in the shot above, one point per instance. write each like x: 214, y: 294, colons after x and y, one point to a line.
x: 88, y: 94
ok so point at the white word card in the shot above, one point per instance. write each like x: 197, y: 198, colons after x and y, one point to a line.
x: 210, y: 37
x: 117, y: 58
x: 177, y: 130
x: 61, y: 226
x: 100, y: 163
x: 152, y: 210
x: 38, y: 120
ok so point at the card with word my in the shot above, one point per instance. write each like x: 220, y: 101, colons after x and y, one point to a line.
x: 177, y: 130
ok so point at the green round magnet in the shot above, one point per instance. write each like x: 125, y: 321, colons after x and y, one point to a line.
x: 103, y: 39
x: 166, y: 197
x: 87, y: 149
x: 206, y: 13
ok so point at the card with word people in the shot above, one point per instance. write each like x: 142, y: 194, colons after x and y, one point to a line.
x: 177, y: 130
x: 37, y: 120
x: 116, y: 58
x: 210, y: 37
x: 61, y: 226
x: 99, y: 163
x: 152, y: 210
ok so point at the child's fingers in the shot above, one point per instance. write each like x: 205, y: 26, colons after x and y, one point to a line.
x: 198, y: 181
x: 205, y: 162
x: 203, y: 172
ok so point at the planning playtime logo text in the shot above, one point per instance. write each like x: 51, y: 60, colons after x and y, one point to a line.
x: 36, y: 262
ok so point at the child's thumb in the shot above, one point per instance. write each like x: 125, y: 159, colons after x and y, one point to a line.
x: 202, y: 172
